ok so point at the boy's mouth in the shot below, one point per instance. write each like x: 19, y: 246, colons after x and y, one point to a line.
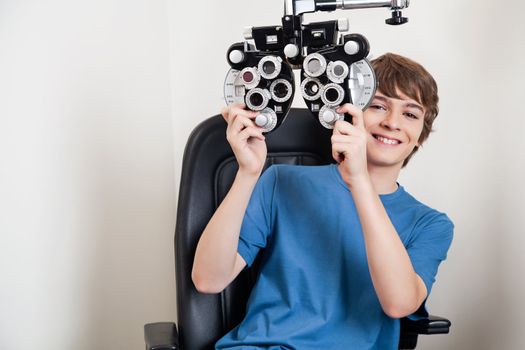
x: 386, y: 140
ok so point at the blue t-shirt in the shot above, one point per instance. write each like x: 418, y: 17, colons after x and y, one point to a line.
x: 314, y: 289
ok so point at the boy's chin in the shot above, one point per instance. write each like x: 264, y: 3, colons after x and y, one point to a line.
x: 386, y: 163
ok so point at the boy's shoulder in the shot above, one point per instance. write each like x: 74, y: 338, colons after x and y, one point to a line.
x: 423, y: 212
x: 398, y: 202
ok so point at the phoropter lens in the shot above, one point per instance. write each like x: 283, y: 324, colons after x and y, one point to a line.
x: 311, y: 89
x: 281, y: 90
x: 250, y: 77
x: 257, y: 99
x: 332, y: 94
x: 269, y: 67
x: 337, y: 71
x: 314, y: 65
x: 247, y: 77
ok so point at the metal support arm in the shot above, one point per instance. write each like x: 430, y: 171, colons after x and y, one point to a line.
x: 299, y: 7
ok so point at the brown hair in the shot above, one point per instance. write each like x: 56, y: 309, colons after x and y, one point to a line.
x: 397, y: 72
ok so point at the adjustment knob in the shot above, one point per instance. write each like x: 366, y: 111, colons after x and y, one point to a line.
x: 291, y: 50
x: 262, y: 120
x: 267, y: 119
x: 396, y: 19
x: 236, y: 56
x: 329, y: 116
x: 351, y: 47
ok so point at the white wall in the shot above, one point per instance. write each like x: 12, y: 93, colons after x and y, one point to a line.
x: 87, y: 173
x: 97, y: 99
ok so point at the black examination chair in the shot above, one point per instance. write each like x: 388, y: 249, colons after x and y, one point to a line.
x: 208, y: 170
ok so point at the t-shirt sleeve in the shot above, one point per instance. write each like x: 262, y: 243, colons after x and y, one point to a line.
x: 428, y: 249
x: 257, y: 222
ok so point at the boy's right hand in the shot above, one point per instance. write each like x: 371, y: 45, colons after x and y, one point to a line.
x: 245, y: 138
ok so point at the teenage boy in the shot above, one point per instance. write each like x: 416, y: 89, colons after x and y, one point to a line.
x: 347, y: 250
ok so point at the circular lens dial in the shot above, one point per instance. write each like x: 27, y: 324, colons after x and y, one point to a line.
x: 281, y: 90
x: 269, y: 67
x: 337, y: 71
x: 361, y: 83
x: 328, y: 116
x: 332, y: 94
x: 257, y: 99
x: 314, y: 65
x: 250, y: 77
x: 267, y: 119
x: 311, y: 89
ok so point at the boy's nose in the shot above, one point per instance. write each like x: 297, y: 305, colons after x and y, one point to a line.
x: 391, y: 121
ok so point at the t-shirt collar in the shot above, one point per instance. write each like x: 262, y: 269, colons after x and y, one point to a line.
x: 387, y: 196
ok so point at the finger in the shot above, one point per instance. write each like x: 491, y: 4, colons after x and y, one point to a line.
x: 244, y: 112
x: 344, y: 139
x: 230, y: 112
x: 339, y: 152
x: 240, y: 123
x: 343, y: 127
x: 355, y: 112
x: 236, y: 124
x: 226, y: 111
x: 251, y: 132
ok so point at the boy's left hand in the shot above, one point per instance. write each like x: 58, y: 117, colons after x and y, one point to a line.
x: 349, y: 145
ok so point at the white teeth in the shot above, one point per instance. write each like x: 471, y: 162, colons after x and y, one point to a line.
x: 387, y: 141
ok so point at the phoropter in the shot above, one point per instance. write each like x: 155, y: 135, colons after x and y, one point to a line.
x: 334, y: 68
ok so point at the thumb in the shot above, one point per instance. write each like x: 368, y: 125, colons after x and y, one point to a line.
x: 355, y: 112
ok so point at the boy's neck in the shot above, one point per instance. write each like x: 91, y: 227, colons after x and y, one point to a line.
x: 384, y: 179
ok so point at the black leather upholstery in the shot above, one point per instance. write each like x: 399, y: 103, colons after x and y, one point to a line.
x: 208, y: 171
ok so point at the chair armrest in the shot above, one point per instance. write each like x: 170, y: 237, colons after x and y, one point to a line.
x: 429, y: 325
x: 161, y: 336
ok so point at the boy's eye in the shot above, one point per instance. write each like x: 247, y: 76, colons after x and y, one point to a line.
x: 411, y: 115
x: 377, y: 106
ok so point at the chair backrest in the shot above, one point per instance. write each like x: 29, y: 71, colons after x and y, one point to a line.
x: 208, y: 170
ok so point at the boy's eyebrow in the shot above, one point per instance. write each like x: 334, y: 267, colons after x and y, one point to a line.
x: 408, y: 104
x: 416, y: 106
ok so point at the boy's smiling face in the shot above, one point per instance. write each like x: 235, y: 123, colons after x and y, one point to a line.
x: 394, y: 126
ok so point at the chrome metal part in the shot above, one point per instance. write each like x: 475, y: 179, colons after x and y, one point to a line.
x: 277, y: 93
x: 250, y: 77
x: 337, y: 71
x: 299, y: 7
x: 311, y: 89
x: 269, y: 67
x: 257, y: 99
x: 314, y: 65
x: 361, y: 83
x: 234, y: 89
x: 328, y: 116
x: 266, y: 119
x: 332, y: 94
